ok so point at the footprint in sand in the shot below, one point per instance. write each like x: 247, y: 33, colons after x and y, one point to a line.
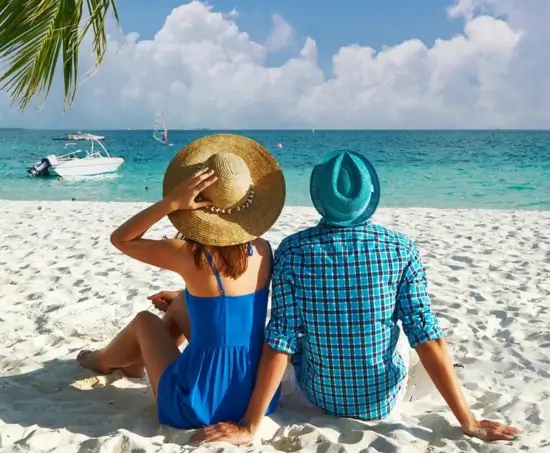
x: 463, y: 259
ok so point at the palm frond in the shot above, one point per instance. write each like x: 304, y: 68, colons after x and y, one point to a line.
x: 36, y: 34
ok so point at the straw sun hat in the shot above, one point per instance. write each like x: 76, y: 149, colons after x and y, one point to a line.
x: 247, y: 197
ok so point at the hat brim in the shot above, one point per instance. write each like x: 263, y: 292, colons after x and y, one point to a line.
x: 369, y: 209
x: 239, y: 227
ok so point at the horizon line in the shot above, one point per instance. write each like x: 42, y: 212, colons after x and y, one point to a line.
x: 80, y: 130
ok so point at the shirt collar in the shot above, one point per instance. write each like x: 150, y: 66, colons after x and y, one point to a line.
x: 324, y: 223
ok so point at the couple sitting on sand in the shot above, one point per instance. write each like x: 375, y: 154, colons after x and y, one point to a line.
x: 347, y: 296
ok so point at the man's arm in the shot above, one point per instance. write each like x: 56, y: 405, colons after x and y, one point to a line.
x: 281, y: 340
x: 270, y: 374
x: 422, y: 329
x: 414, y: 308
x: 436, y: 358
x: 271, y: 370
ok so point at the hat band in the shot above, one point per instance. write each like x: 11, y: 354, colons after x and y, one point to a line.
x: 242, y: 207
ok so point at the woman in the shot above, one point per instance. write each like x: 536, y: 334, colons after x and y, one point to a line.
x: 221, y: 193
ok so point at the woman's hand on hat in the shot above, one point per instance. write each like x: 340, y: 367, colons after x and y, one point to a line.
x: 185, y: 195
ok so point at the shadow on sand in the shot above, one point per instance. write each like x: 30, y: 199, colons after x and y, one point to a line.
x: 63, y: 396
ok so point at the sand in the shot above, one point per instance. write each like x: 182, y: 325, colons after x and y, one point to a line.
x: 64, y: 288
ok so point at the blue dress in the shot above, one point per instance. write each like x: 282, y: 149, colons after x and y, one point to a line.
x: 213, y: 378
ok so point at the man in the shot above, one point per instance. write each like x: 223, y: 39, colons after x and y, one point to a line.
x: 340, y: 290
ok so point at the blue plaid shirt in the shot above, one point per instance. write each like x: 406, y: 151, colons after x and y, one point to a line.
x: 337, y: 295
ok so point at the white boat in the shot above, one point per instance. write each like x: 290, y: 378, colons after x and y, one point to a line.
x: 79, y: 136
x: 95, y: 160
x: 84, y: 136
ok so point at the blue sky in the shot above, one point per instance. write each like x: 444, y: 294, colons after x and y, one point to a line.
x: 374, y: 23
x: 310, y: 64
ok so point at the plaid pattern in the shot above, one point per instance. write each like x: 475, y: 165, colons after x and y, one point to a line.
x: 337, y: 295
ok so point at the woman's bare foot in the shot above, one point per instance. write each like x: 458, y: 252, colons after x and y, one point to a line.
x: 89, y: 359
x: 135, y: 371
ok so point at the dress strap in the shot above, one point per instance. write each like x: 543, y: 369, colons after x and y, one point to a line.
x: 271, y: 259
x: 215, y: 270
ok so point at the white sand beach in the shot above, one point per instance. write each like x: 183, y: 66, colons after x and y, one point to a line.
x: 64, y: 288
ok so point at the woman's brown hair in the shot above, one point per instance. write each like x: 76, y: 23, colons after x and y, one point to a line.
x: 231, y: 261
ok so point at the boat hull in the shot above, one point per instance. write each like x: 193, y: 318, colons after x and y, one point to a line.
x: 79, y: 137
x: 86, y: 167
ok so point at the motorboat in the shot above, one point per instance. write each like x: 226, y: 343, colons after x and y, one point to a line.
x: 91, y: 161
x: 84, y: 136
x: 79, y: 136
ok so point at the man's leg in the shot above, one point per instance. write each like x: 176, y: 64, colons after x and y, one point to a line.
x: 405, y: 351
x: 290, y: 389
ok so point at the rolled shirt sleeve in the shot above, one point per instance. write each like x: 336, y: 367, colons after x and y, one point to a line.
x: 285, y: 324
x: 413, y: 303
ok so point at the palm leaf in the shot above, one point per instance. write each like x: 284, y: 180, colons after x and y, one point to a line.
x: 38, y: 35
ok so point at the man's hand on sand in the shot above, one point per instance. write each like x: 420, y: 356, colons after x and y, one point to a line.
x: 240, y: 435
x: 490, y: 431
x: 161, y: 301
x: 224, y: 432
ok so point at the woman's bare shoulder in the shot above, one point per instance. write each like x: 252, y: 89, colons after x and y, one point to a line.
x: 184, y: 251
x: 263, y: 246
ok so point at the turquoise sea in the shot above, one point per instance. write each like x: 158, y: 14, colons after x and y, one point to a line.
x: 450, y: 169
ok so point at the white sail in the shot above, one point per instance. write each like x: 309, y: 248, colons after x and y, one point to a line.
x: 160, y: 132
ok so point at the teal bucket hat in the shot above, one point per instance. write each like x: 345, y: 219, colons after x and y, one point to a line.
x: 345, y: 188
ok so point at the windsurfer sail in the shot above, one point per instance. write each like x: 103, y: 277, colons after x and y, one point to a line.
x: 160, y: 133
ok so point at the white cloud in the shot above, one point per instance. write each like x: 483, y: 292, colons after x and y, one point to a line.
x: 233, y: 13
x: 281, y: 35
x: 203, y: 71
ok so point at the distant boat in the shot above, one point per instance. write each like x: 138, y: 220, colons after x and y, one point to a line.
x: 75, y: 137
x: 81, y: 162
x: 160, y: 131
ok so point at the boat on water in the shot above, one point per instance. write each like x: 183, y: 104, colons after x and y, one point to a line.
x: 79, y: 136
x: 160, y: 131
x: 90, y: 161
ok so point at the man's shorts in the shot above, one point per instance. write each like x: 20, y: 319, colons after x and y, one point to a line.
x: 291, y: 391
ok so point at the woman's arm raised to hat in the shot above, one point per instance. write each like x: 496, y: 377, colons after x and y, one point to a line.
x: 164, y: 253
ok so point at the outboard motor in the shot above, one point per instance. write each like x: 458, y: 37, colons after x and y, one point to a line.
x: 41, y: 167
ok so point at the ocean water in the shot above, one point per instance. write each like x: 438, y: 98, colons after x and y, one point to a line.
x: 442, y: 169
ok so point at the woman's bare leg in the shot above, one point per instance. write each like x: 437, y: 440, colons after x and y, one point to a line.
x: 145, y: 338
x: 177, y: 322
